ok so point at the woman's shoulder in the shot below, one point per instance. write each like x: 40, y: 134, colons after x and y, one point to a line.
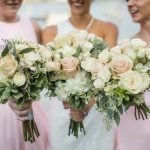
x: 49, y: 33
x: 106, y: 25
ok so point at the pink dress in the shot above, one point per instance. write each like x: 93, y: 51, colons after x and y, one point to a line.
x: 11, y: 136
x: 133, y: 134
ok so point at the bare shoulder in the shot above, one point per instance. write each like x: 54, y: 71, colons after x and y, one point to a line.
x: 37, y: 30
x: 107, y: 30
x: 49, y: 33
x: 106, y: 25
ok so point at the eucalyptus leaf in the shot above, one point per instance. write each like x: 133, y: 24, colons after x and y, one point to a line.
x: 26, y: 50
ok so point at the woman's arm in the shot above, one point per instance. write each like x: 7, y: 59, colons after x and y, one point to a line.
x: 111, y: 34
x: 49, y: 34
x: 38, y: 31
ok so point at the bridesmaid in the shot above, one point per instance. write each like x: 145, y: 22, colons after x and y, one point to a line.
x: 11, y: 136
x: 96, y: 137
x: 135, y: 134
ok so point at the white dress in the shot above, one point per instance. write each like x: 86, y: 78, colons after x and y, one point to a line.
x: 96, y: 138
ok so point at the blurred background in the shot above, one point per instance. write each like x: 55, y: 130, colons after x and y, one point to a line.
x: 48, y: 12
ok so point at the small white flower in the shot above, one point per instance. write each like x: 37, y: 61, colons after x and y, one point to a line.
x: 148, y: 53
x: 141, y: 53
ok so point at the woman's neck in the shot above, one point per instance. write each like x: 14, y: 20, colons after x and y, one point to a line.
x: 13, y: 19
x: 144, y: 32
x: 80, y: 22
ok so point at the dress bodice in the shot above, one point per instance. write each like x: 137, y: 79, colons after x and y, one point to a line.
x: 23, y: 28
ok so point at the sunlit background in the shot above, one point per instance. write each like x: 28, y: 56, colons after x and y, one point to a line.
x: 48, y: 12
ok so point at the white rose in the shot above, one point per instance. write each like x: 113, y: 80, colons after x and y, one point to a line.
x: 121, y: 63
x: 104, y: 74
x: 61, y: 40
x: 79, y: 37
x: 19, y: 79
x: 67, y: 51
x: 87, y: 64
x: 52, y: 66
x: 116, y: 49
x: 87, y: 46
x: 137, y: 43
x: 132, y: 81
x: 8, y: 65
x: 45, y: 53
x: 92, y: 65
x: 130, y: 53
x: 99, y: 83
x: 104, y: 56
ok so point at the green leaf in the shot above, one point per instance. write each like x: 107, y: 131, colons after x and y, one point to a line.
x: 26, y: 50
x: 110, y: 113
x: 5, y: 94
x: 78, y: 51
x: 5, y: 51
x: 117, y: 118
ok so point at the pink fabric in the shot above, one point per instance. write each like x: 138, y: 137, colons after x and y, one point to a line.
x: 133, y: 134
x: 11, y: 136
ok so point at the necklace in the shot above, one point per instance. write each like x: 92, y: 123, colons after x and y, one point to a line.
x: 88, y: 25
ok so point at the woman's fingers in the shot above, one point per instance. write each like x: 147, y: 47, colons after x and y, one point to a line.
x: 66, y: 105
x: 77, y: 115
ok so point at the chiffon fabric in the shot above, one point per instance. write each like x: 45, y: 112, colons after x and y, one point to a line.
x: 11, y: 136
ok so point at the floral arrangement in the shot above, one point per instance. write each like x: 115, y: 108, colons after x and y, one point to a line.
x: 129, y: 65
x: 23, y: 76
x: 71, y: 81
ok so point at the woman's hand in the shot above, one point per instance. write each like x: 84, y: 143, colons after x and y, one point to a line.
x: 21, y: 111
x: 75, y: 114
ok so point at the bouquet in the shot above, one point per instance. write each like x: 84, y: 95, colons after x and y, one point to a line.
x: 129, y: 77
x: 74, y: 55
x: 22, y: 77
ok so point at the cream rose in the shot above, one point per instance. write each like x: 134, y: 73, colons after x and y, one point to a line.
x: 87, y: 46
x: 99, y: 83
x: 52, y: 66
x: 116, y: 49
x: 19, y: 79
x: 45, y: 53
x: 67, y: 51
x: 8, y: 65
x: 104, y: 56
x: 78, y: 37
x: 104, y: 74
x: 61, y: 41
x: 132, y: 81
x: 69, y: 64
x: 121, y: 63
